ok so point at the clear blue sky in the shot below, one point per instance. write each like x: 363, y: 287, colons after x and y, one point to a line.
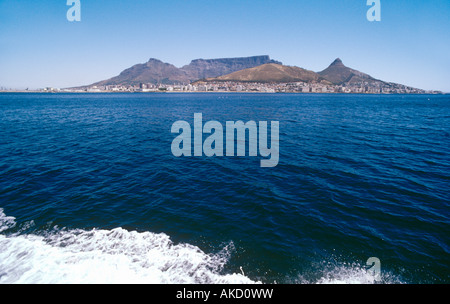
x: 39, y: 47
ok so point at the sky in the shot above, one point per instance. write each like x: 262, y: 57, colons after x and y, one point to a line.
x: 39, y: 47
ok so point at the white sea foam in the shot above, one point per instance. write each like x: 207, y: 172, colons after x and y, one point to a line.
x: 121, y: 256
x: 107, y: 256
x: 349, y: 274
x: 6, y: 222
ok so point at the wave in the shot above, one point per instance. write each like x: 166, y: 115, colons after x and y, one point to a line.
x: 336, y: 272
x: 118, y: 256
x: 356, y: 274
x: 114, y: 256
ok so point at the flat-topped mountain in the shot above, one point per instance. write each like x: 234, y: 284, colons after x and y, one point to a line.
x: 271, y: 73
x: 206, y: 68
x: 157, y: 72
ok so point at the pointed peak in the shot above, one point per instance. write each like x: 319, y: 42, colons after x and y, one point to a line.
x: 338, y: 61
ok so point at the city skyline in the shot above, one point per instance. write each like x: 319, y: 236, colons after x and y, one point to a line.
x: 39, y: 47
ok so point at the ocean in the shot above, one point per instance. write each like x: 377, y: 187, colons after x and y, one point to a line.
x: 90, y: 191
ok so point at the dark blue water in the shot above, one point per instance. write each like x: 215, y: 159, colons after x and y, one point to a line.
x: 90, y: 191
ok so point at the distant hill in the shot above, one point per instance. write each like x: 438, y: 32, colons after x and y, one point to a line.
x: 154, y: 71
x: 338, y: 74
x: 271, y: 73
x: 157, y: 72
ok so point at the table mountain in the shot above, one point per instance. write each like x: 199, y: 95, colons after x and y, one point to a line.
x: 201, y: 68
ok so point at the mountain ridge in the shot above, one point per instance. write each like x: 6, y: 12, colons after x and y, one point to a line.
x: 254, y: 69
x: 154, y: 71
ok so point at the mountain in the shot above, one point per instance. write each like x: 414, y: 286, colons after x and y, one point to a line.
x: 256, y: 69
x: 271, y: 73
x: 338, y: 74
x: 157, y: 72
x: 201, y: 68
x: 336, y: 78
x: 154, y: 71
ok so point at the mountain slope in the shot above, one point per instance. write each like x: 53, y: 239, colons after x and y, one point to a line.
x: 154, y: 71
x: 271, y: 73
x: 338, y: 74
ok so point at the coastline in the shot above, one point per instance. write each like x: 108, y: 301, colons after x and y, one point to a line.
x: 212, y: 92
